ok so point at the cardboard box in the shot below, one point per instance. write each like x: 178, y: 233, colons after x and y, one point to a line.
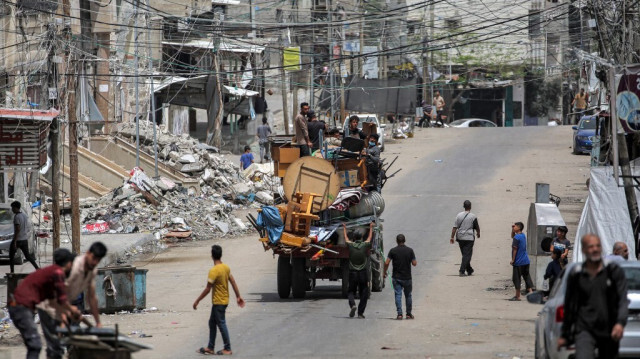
x: 349, y: 178
x: 285, y: 154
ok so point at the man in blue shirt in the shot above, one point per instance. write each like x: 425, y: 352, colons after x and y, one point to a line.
x: 247, y: 158
x: 520, y: 260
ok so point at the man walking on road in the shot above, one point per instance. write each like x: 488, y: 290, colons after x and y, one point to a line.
x: 263, y: 133
x: 358, y: 278
x: 438, y: 102
x: 463, y: 232
x: 403, y: 258
x: 302, y: 131
x: 520, y: 260
x: 218, y: 285
x: 595, y: 304
x: 21, y: 234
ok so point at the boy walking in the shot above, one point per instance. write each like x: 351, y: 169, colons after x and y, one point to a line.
x: 520, y: 260
x: 218, y: 280
x: 403, y: 258
x: 247, y: 158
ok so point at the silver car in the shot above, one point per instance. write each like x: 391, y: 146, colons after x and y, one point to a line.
x: 549, y: 322
x: 6, y: 235
x: 368, y: 117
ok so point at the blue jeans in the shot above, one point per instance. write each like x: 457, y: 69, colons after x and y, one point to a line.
x: 216, y: 320
x: 400, y: 285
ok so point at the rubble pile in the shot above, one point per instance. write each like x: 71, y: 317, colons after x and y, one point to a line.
x: 173, y: 212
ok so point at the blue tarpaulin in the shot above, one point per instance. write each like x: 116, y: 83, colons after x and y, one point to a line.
x: 270, y: 219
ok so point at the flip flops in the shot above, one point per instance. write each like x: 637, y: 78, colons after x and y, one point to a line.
x: 514, y: 299
x: 205, y: 351
x: 221, y: 352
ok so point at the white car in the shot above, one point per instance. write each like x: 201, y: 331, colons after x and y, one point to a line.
x: 368, y: 117
x: 472, y: 122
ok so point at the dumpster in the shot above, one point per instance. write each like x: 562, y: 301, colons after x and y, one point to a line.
x: 13, y: 279
x: 121, y: 288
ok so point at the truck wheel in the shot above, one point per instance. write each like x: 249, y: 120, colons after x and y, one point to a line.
x: 377, y: 275
x: 298, y: 278
x: 344, y: 267
x: 284, y: 277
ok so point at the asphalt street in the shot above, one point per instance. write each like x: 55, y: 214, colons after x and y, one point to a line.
x: 421, y: 202
x: 455, y: 317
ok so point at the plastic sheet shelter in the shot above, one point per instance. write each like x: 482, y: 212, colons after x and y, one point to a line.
x: 605, y: 213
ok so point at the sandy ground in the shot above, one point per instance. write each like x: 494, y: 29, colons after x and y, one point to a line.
x: 456, y: 317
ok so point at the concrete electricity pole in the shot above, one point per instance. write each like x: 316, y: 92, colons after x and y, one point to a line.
x: 283, y: 85
x: 55, y: 142
x: 135, y: 69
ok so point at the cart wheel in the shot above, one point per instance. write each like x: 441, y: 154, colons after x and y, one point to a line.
x: 344, y: 267
x: 299, y: 278
x: 284, y: 277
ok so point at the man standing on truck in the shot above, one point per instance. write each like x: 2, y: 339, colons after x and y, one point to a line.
x: 358, y: 278
x: 302, y: 131
x: 403, y: 258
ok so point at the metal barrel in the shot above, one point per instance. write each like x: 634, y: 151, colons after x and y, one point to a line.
x: 367, y: 203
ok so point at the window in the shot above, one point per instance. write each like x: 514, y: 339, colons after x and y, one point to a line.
x: 452, y: 24
x: 534, y: 22
x: 517, y: 109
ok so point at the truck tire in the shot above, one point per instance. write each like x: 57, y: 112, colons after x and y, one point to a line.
x: 344, y: 268
x: 284, y: 277
x: 377, y: 273
x: 298, y: 278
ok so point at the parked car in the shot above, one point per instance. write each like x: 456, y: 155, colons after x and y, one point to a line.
x: 6, y: 235
x: 583, y: 135
x: 368, y: 117
x: 472, y: 122
x: 549, y: 322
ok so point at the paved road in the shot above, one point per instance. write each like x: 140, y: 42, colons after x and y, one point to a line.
x: 455, y: 317
x: 421, y: 203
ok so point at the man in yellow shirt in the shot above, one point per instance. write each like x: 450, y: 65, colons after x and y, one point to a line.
x: 218, y: 280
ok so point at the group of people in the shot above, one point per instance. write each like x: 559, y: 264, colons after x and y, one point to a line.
x: 400, y: 257
x: 595, y: 303
x: 309, y: 131
x: 433, y: 111
x: 57, y: 293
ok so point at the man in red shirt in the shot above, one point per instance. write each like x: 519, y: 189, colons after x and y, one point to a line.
x: 45, y: 283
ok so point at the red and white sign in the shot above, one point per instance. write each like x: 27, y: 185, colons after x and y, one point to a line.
x: 23, y: 138
x: 98, y: 227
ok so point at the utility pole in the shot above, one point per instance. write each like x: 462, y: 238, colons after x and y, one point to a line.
x: 332, y: 84
x: 431, y: 24
x: 152, y: 96
x: 55, y: 143
x: 312, y: 90
x: 135, y: 65
x: 283, y: 86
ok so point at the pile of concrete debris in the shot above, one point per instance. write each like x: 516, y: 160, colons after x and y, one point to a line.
x: 174, y: 212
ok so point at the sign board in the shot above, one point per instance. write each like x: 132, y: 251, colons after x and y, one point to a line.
x: 53, y: 93
x: 351, y: 46
x: 103, y: 88
x: 628, y: 99
x: 23, y: 143
x: 291, y: 58
x: 370, y: 64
